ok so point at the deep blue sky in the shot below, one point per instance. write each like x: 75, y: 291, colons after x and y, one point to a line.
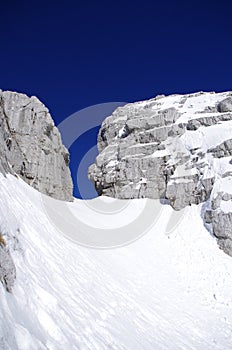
x: 75, y: 54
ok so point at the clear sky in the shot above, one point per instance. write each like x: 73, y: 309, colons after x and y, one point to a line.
x: 74, y: 54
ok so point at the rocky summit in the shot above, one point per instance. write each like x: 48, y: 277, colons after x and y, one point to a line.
x: 31, y: 146
x: 177, y: 148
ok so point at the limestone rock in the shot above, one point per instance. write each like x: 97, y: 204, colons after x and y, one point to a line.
x: 31, y: 146
x: 220, y: 213
x: 225, y: 105
x: 175, y: 148
x: 144, y: 150
x: 7, y: 268
x: 224, y: 149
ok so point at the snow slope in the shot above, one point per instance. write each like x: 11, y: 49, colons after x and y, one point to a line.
x: 164, y: 291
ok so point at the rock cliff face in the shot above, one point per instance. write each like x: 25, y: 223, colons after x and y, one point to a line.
x: 31, y: 146
x: 177, y: 147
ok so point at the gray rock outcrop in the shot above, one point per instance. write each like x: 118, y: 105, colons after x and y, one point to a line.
x: 224, y: 149
x: 174, y: 147
x: 219, y: 213
x: 31, y: 146
x: 225, y: 105
x: 7, y: 268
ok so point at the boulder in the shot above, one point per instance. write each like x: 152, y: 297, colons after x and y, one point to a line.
x: 225, y: 105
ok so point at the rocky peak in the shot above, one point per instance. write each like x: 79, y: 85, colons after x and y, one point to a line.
x: 176, y: 147
x: 31, y: 146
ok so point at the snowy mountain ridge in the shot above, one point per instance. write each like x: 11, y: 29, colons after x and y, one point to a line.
x: 176, y: 147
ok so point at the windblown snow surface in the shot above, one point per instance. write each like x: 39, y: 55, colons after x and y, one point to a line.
x: 164, y: 291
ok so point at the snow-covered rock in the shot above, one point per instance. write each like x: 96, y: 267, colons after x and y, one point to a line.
x: 220, y: 213
x: 173, y: 147
x: 225, y: 105
x: 31, y: 146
